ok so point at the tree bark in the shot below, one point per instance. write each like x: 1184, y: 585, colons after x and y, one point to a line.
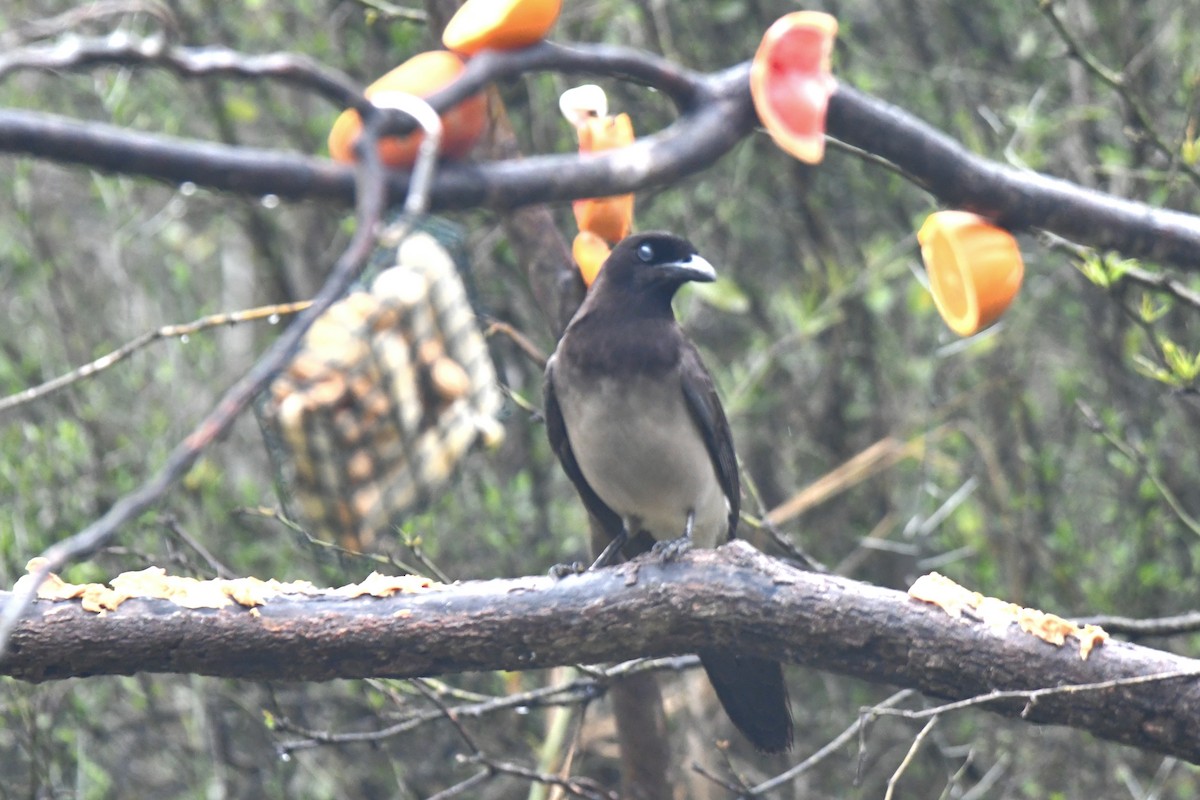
x: 733, y: 597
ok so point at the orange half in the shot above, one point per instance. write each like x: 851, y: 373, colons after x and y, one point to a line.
x: 421, y: 75
x: 499, y: 24
x: 791, y: 82
x: 975, y: 269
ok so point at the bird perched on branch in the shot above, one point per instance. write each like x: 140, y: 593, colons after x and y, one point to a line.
x: 634, y: 417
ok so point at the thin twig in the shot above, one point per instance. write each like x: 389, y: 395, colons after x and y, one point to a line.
x: 1129, y: 272
x: 1032, y: 696
x: 391, y: 11
x: 523, y: 343
x: 449, y: 715
x: 77, y: 52
x: 577, y: 787
x: 101, y: 9
x: 279, y: 516
x: 1119, y: 84
x: 1159, y: 626
x: 457, y: 789
x: 171, y: 523
x: 1139, y: 460
x: 908, y: 758
x: 149, y: 337
x: 831, y: 747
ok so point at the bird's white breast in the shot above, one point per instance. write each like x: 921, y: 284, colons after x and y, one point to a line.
x: 637, y: 446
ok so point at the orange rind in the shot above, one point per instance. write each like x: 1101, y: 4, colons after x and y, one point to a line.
x: 499, y: 24
x: 422, y: 75
x: 608, y: 217
x: 975, y: 269
x: 791, y: 82
x: 590, y: 252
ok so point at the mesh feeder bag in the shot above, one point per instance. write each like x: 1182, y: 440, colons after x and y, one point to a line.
x: 390, y: 389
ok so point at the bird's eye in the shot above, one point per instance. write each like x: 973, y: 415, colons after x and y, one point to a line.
x: 646, y: 253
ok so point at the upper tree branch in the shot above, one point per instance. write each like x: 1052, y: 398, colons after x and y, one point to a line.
x: 734, y: 597
x: 716, y: 113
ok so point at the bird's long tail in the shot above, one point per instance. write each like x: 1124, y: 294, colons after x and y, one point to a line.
x: 754, y: 696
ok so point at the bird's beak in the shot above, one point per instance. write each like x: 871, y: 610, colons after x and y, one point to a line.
x: 693, y: 268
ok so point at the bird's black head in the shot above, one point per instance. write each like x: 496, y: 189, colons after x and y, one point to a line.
x: 653, y: 265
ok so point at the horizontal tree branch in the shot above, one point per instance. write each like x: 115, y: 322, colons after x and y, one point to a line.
x: 693, y: 143
x: 716, y: 113
x: 1018, y: 199
x: 734, y: 597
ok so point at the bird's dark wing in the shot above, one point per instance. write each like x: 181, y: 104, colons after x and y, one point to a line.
x: 700, y: 394
x: 556, y: 430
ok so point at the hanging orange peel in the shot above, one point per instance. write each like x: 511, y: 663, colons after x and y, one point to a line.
x: 590, y: 252
x: 975, y: 269
x: 791, y: 82
x: 607, y: 220
x: 499, y: 24
x: 960, y: 602
x: 422, y: 75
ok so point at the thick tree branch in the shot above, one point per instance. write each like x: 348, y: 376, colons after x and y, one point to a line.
x: 690, y: 145
x: 733, y: 597
x: 1018, y: 199
x: 716, y: 114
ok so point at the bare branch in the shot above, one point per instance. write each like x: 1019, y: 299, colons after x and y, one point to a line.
x: 716, y: 115
x: 1017, y: 199
x: 137, y: 343
x: 691, y: 144
x: 1160, y: 626
x: 733, y: 597
x: 74, y: 53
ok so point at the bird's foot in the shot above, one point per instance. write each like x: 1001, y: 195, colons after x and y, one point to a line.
x: 671, y: 549
x: 561, y: 571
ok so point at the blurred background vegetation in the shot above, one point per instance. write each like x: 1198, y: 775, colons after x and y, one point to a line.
x: 821, y: 336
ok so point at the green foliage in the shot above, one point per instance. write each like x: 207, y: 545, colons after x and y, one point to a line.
x: 1179, y: 367
x: 1104, y: 270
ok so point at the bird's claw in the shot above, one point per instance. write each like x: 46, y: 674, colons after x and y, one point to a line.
x: 561, y: 571
x: 671, y: 549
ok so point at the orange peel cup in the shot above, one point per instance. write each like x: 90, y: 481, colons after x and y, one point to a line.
x: 590, y: 252
x: 499, y: 24
x: 791, y: 82
x: 421, y: 75
x: 608, y: 217
x: 975, y: 269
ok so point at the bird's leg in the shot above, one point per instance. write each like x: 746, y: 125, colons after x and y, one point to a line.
x: 607, y: 556
x: 610, y: 551
x: 671, y: 549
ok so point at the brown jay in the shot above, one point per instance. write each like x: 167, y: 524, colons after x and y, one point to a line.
x: 634, y: 417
